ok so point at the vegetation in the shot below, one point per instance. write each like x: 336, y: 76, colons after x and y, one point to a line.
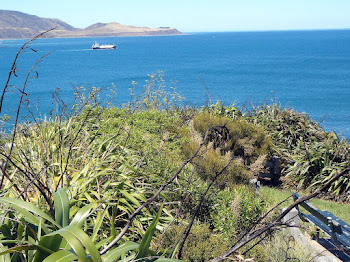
x: 310, y: 155
x: 276, y: 195
x: 282, y: 247
x: 154, y: 180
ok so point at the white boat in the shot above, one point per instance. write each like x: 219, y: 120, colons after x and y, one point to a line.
x: 98, y: 46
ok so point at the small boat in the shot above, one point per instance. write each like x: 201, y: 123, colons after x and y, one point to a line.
x: 98, y: 46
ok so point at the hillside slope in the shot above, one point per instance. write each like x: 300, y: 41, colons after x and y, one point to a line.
x: 116, y: 29
x: 14, y: 24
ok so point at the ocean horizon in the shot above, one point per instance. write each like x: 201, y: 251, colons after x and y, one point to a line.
x: 307, y: 70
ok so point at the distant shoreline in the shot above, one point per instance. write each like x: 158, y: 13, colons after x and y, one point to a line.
x: 91, y: 36
x: 2, y: 40
x: 183, y: 33
x: 272, y: 30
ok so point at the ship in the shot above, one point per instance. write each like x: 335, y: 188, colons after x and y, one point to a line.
x: 98, y: 46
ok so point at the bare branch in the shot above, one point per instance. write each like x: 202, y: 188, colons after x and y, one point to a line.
x: 23, y: 94
x: 14, y: 64
x: 189, y: 227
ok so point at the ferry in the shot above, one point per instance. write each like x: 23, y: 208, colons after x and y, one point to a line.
x: 98, y: 46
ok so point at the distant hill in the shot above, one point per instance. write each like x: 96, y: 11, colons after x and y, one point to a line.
x: 116, y: 29
x: 16, y: 25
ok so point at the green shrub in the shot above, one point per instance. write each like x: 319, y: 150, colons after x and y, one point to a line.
x: 218, y: 109
x: 105, y: 155
x: 239, y: 151
x: 281, y: 247
x: 287, y: 126
x: 193, y: 188
x: 309, y: 155
x: 201, y: 245
x: 236, y: 210
x: 155, y: 95
x: 28, y: 233
x: 211, y: 162
x: 246, y: 140
x: 313, y: 164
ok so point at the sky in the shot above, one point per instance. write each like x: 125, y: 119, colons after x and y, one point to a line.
x: 194, y: 15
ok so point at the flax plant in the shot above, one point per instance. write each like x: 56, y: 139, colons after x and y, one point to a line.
x: 310, y: 156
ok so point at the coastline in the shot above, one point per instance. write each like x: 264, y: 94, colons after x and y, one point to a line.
x: 2, y: 40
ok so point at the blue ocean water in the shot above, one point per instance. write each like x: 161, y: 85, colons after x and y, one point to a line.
x: 305, y: 70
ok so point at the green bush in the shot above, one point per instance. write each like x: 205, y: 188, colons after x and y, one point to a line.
x: 313, y: 164
x: 310, y: 156
x: 218, y: 109
x: 155, y: 95
x: 244, y: 145
x: 287, y: 126
x: 236, y: 210
x: 211, y: 162
x: 245, y: 139
x: 201, y: 245
x: 281, y: 247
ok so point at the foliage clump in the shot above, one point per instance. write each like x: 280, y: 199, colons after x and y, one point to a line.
x: 310, y: 156
x: 155, y: 95
x: 236, y: 210
x: 201, y: 245
x: 245, y: 139
x: 232, y: 145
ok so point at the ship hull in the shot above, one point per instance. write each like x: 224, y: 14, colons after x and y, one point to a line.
x: 102, y: 47
x: 96, y: 46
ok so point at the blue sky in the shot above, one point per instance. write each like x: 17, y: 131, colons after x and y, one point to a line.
x: 195, y: 15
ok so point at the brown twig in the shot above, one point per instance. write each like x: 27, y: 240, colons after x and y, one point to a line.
x: 14, y: 64
x: 22, y: 91
x: 70, y: 149
x: 177, y: 212
x: 189, y: 227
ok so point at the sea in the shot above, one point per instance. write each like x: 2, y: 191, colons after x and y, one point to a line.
x: 308, y: 71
